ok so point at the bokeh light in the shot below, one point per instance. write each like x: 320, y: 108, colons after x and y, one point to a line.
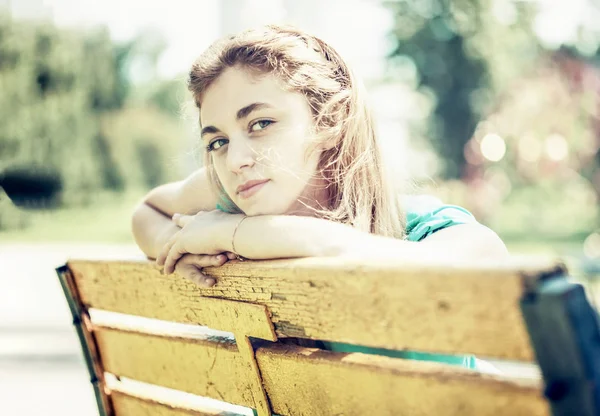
x: 556, y: 147
x: 493, y: 147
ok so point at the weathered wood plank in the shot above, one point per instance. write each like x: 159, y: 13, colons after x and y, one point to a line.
x: 133, y: 397
x: 442, y: 308
x: 312, y: 382
x: 127, y: 405
x: 307, y: 381
x: 206, y: 367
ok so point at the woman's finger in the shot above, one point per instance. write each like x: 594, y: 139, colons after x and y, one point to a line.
x: 182, y: 220
x: 164, y: 252
x: 174, y: 255
x: 191, y: 272
x: 204, y: 260
x: 230, y: 255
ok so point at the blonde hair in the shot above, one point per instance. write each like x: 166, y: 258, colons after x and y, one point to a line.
x: 360, y: 191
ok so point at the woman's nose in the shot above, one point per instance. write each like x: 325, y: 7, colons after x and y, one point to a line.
x: 240, y: 154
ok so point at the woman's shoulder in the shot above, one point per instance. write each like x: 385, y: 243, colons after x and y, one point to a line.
x: 426, y: 214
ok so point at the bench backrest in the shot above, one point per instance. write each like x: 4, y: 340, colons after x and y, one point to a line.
x: 270, y: 311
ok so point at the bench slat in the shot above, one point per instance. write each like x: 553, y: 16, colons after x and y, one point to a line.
x: 315, y: 382
x: 206, y: 367
x: 126, y: 405
x: 457, y: 310
x: 395, y: 306
x: 303, y: 381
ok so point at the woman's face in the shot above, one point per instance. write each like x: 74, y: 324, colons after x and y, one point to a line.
x: 259, y: 137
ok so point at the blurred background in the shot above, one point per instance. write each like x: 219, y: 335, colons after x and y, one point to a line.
x: 489, y: 104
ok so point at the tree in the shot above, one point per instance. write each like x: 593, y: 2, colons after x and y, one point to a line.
x: 463, y: 51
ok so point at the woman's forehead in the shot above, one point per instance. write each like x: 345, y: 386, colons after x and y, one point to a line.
x: 237, y: 88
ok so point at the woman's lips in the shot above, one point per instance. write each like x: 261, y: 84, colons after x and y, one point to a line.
x: 249, y: 191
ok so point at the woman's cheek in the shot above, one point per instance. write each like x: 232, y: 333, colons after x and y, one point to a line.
x: 269, y: 154
x: 222, y: 176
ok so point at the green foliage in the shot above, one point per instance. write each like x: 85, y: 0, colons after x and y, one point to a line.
x: 145, y: 145
x: 10, y: 215
x: 149, y: 158
x: 464, y: 56
x: 54, y: 84
x: 66, y: 105
x: 110, y: 174
x: 168, y: 96
x: 106, y: 219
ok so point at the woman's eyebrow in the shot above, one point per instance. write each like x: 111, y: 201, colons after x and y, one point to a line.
x: 209, y: 130
x: 242, y: 113
x: 245, y: 111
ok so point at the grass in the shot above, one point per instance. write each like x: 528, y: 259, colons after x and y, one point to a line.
x: 105, y: 220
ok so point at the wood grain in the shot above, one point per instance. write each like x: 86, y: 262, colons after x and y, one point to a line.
x: 312, y: 382
x: 126, y: 405
x: 309, y: 381
x: 441, y: 308
x: 206, y: 368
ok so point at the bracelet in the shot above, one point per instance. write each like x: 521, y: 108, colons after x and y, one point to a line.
x: 234, y: 251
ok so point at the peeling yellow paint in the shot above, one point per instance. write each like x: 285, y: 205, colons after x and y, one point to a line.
x: 454, y: 310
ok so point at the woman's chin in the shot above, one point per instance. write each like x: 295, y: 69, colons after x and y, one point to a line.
x: 263, y: 209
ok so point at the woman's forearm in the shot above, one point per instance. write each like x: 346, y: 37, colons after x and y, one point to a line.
x: 279, y: 236
x: 151, y: 229
x: 282, y: 236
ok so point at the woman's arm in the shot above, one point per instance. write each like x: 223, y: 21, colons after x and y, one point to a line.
x: 472, y: 241
x: 151, y: 229
x: 281, y: 236
x: 151, y: 221
x: 267, y: 237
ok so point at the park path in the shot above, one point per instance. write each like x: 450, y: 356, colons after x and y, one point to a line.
x: 41, y: 366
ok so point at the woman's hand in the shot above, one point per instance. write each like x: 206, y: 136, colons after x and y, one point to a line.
x: 190, y: 266
x: 206, y: 233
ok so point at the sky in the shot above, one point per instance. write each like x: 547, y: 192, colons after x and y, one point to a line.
x: 357, y: 28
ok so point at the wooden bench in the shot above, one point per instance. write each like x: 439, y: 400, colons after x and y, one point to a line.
x: 272, y: 310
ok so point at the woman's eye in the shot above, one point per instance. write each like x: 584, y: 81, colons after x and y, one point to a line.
x: 216, y: 144
x: 262, y: 124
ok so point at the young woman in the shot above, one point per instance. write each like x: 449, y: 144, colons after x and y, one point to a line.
x: 292, y: 169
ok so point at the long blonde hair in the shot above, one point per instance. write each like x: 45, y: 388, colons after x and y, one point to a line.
x: 360, y: 191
